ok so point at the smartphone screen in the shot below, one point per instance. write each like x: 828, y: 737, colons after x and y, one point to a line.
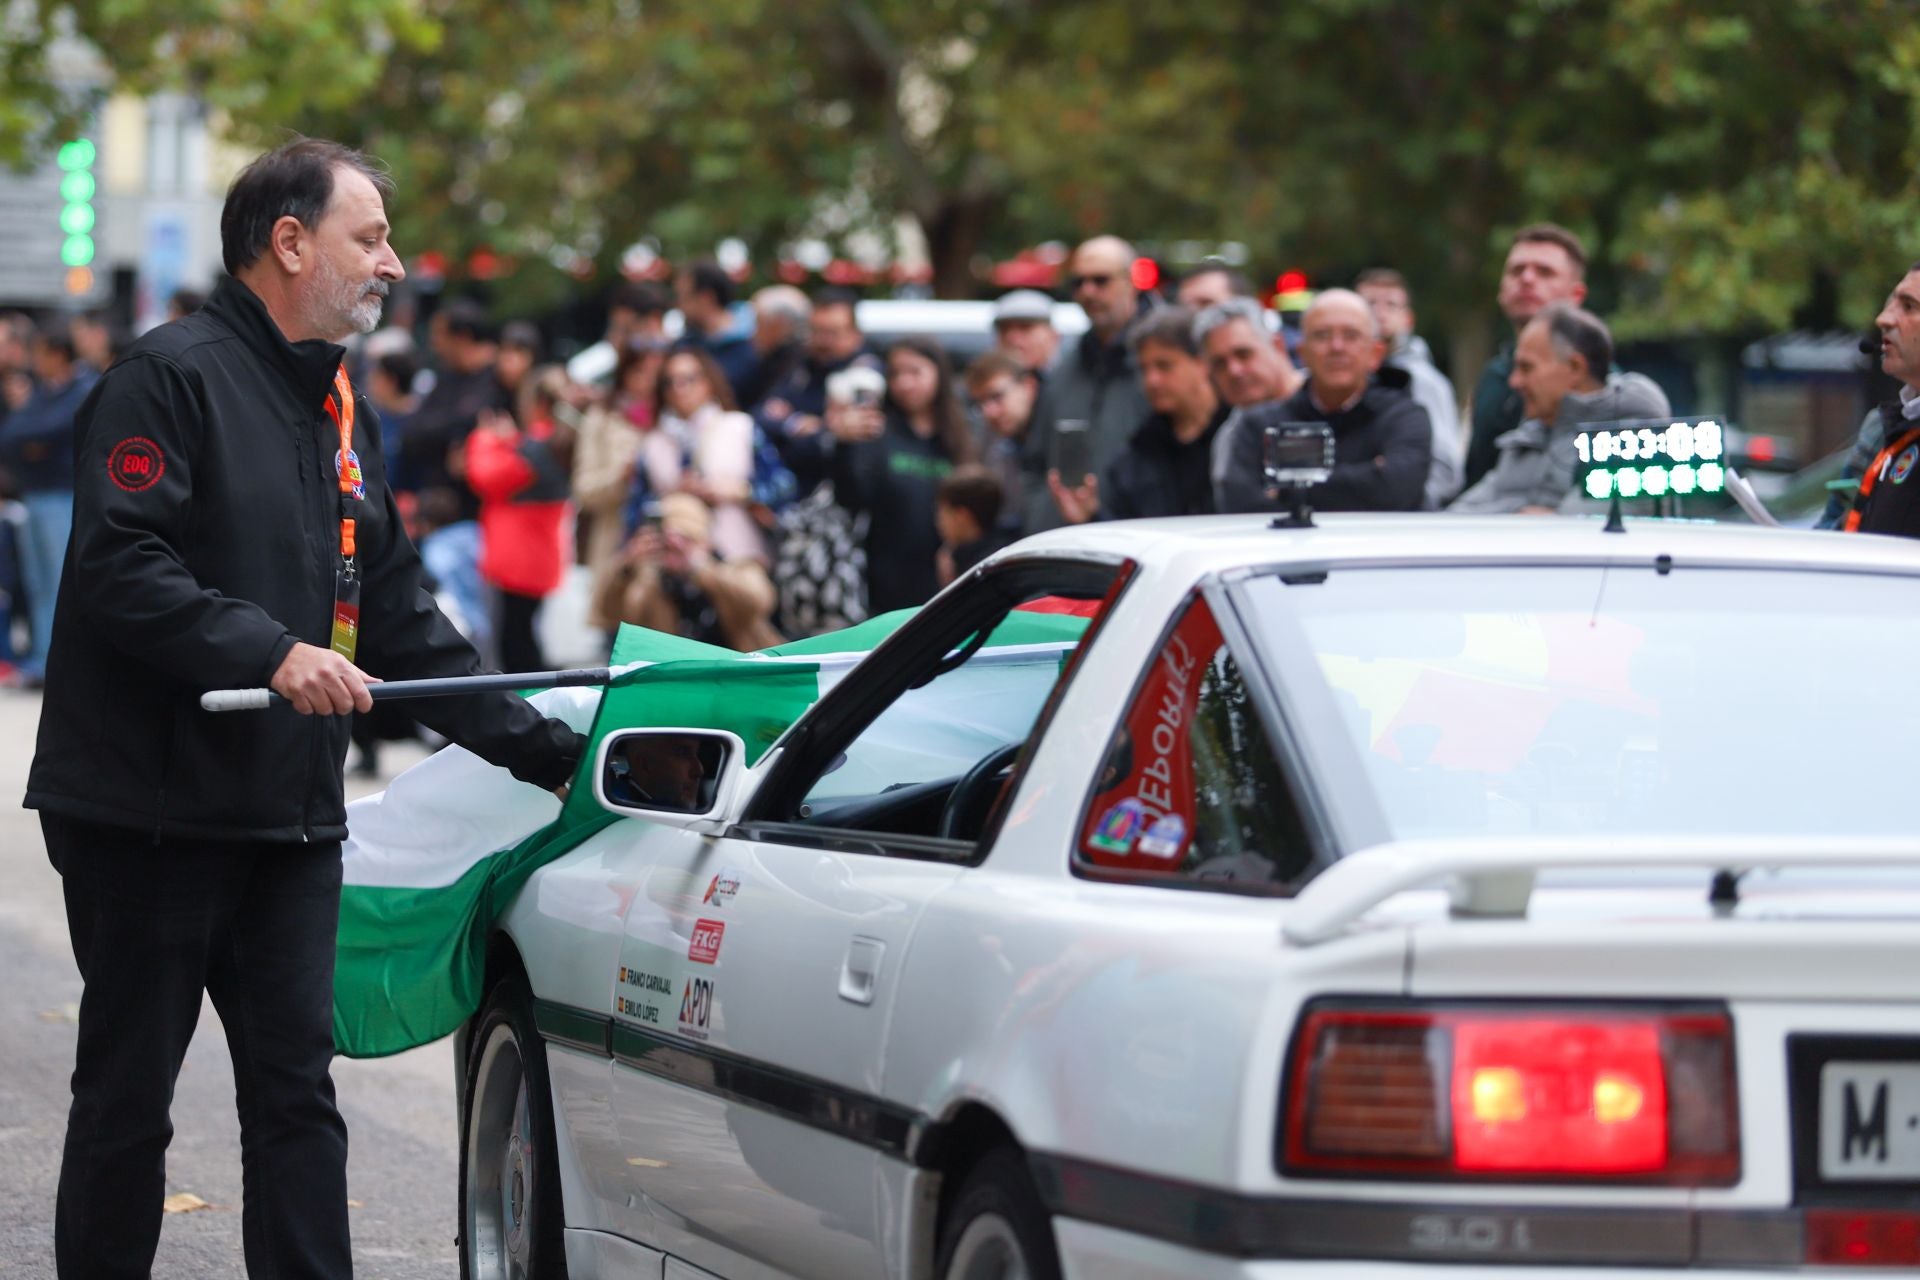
x: 1071, y: 451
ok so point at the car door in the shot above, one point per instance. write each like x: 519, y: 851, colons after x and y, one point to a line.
x: 759, y: 964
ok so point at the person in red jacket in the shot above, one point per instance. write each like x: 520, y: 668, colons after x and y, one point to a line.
x: 522, y: 475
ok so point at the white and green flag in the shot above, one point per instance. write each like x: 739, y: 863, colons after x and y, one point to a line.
x: 433, y: 860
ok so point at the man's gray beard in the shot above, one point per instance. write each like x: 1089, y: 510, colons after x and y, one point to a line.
x: 343, y: 306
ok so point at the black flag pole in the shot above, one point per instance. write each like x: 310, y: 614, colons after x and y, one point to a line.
x: 451, y: 686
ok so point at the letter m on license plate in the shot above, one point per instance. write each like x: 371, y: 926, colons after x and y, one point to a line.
x: 1870, y: 1121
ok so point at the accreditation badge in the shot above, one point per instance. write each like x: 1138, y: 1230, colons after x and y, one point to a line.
x: 346, y: 613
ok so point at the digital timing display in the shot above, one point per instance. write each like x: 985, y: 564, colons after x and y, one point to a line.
x: 1653, y: 459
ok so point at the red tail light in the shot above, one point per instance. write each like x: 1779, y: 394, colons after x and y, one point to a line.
x: 1492, y: 1092
x: 1839, y: 1238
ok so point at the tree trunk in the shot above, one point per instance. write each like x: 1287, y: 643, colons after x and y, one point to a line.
x: 954, y: 236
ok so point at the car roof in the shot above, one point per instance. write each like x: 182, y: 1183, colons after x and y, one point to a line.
x: 1213, y: 544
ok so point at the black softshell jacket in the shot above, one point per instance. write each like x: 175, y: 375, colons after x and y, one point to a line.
x: 206, y: 540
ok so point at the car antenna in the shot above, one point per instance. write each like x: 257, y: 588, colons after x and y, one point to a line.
x: 1615, y: 524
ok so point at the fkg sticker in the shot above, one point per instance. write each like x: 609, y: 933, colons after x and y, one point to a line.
x: 705, y: 946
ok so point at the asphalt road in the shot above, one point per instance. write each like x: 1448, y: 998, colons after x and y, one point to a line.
x: 399, y: 1111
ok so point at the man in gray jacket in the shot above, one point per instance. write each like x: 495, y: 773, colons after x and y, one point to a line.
x: 1093, y: 383
x: 1386, y: 292
x: 1563, y: 372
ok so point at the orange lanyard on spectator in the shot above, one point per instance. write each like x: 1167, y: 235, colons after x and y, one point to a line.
x: 1871, y: 476
x: 340, y: 409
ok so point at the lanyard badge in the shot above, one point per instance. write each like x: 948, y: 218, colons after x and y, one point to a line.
x: 346, y: 589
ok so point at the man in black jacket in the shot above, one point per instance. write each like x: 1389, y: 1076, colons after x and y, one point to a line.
x: 230, y: 501
x: 1165, y: 468
x: 1382, y: 440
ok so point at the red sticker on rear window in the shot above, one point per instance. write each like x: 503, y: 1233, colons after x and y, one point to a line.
x: 136, y: 464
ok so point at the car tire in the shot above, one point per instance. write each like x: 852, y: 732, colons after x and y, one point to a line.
x: 511, y: 1221
x: 996, y: 1227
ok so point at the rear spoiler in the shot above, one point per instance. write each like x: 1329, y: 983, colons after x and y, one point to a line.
x: 1495, y: 878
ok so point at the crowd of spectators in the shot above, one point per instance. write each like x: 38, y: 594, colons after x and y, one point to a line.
x: 762, y: 471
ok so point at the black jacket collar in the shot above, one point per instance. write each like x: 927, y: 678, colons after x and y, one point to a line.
x: 306, y: 366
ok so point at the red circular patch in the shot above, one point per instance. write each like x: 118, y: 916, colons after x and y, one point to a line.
x: 136, y: 464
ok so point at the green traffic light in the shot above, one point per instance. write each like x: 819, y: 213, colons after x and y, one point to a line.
x: 77, y: 251
x: 77, y: 187
x: 78, y: 154
x: 77, y: 219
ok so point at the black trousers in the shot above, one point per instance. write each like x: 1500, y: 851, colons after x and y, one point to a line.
x: 153, y: 925
x: 514, y: 632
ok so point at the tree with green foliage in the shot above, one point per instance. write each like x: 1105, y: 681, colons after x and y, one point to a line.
x: 1729, y: 163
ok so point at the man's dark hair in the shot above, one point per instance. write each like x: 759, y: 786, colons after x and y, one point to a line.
x: 1575, y: 331
x: 1237, y: 282
x: 1168, y: 326
x: 187, y: 301
x: 57, y: 334
x: 975, y: 490
x: 709, y: 277
x: 521, y: 335
x: 640, y: 297
x: 1386, y: 278
x: 465, y: 318
x: 1554, y: 233
x: 991, y: 364
x: 402, y: 367
x: 837, y: 296
x: 294, y: 180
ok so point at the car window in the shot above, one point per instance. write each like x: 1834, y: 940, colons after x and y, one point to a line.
x: 939, y: 730
x: 1191, y: 788
x: 1496, y: 700
x: 923, y: 745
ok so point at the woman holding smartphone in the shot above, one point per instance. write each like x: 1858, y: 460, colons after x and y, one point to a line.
x: 889, y: 459
x: 700, y: 444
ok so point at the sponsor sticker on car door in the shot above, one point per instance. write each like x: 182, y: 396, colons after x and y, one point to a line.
x: 1143, y: 814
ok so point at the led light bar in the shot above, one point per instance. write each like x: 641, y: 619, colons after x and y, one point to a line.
x: 1652, y: 458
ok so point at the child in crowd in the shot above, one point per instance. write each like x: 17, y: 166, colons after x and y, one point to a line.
x: 966, y: 510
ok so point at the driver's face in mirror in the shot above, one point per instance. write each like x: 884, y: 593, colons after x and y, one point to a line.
x: 659, y: 773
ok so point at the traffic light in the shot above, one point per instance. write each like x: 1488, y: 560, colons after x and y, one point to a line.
x: 77, y: 188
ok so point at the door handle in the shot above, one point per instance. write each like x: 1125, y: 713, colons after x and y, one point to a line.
x: 860, y: 971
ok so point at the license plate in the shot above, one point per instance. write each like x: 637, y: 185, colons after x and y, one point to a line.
x: 1870, y: 1121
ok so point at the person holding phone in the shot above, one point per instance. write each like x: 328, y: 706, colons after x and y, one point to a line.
x: 1094, y: 382
x: 889, y: 459
x: 1166, y: 468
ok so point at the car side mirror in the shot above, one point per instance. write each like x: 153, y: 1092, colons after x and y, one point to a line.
x: 678, y: 777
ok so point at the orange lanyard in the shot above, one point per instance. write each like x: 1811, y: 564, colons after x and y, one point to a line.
x: 1871, y: 476
x: 340, y: 409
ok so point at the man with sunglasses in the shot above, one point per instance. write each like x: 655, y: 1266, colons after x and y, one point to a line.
x: 1095, y: 381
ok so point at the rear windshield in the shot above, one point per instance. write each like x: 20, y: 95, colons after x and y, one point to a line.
x: 1507, y: 701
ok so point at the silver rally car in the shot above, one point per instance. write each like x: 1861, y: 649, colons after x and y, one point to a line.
x: 1392, y: 897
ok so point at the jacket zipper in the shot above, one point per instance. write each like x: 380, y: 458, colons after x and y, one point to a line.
x: 304, y: 447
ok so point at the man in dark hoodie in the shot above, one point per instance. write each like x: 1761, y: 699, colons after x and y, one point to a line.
x: 1382, y: 440
x: 1094, y: 383
x: 229, y: 486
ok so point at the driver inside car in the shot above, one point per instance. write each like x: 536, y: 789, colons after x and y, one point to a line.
x: 657, y: 773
